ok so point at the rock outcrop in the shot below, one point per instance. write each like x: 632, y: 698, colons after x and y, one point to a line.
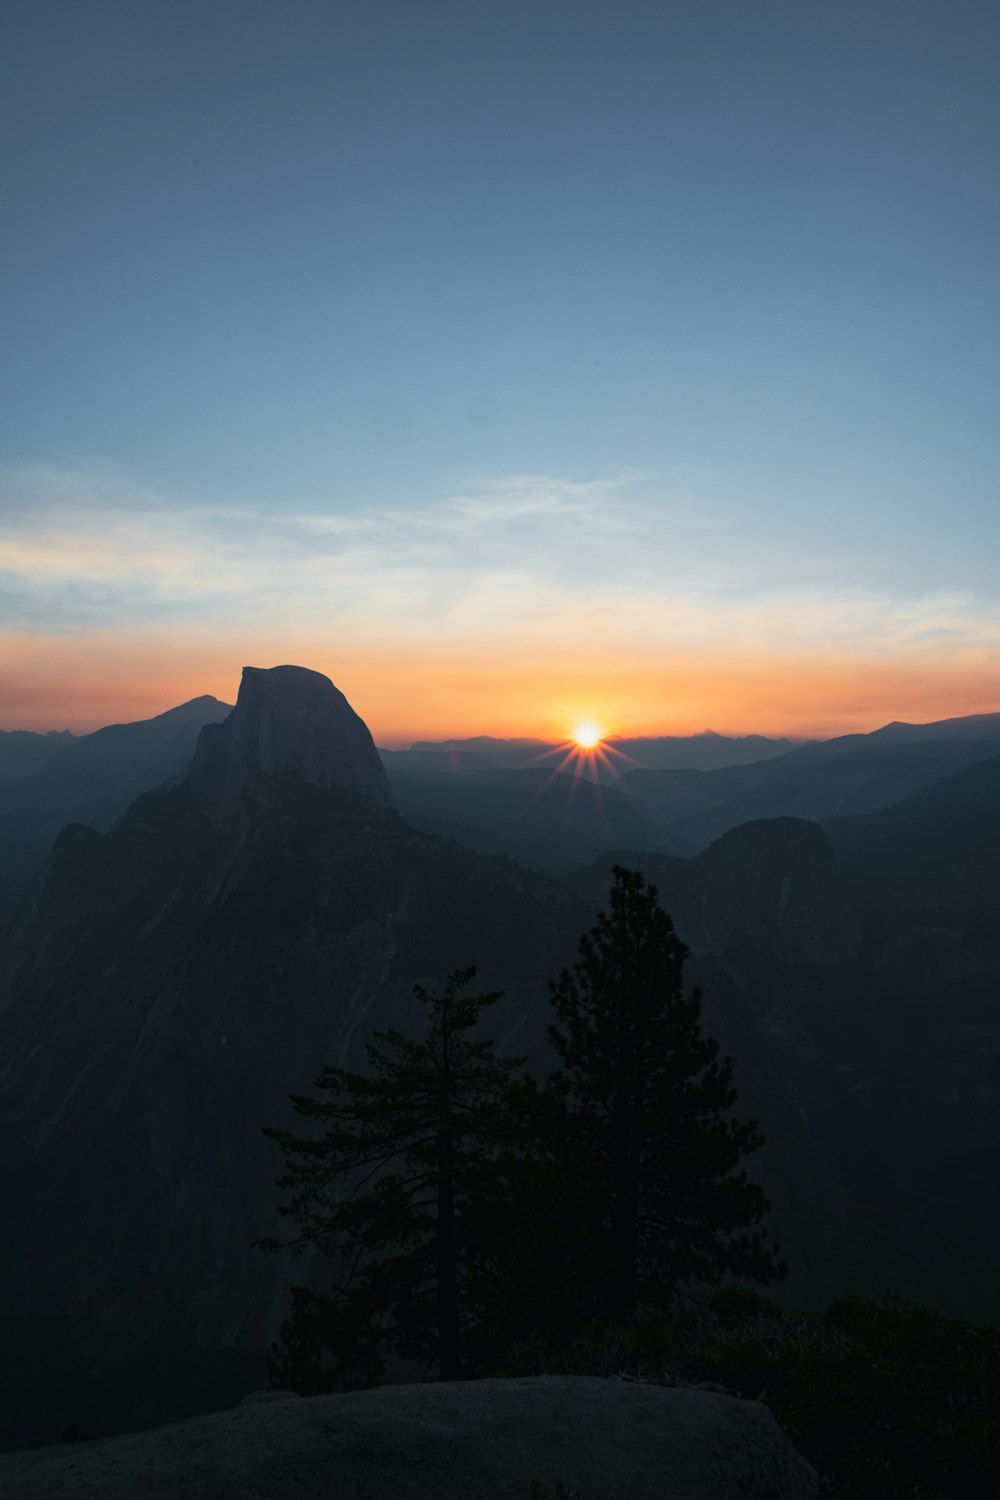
x: 292, y: 724
x: 471, y: 1440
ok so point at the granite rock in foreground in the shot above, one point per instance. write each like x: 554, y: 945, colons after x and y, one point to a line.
x: 467, y: 1440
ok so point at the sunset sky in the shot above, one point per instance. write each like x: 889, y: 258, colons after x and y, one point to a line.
x: 510, y: 363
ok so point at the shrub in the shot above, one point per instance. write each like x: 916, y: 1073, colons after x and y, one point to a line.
x: 885, y: 1399
x: 893, y: 1400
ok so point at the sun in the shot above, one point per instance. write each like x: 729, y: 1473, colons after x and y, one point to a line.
x: 588, y: 736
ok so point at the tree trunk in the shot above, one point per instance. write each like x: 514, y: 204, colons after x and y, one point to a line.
x: 449, y: 1365
x: 626, y: 1212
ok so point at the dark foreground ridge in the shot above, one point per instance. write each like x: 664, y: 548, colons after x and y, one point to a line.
x: 489, y: 1439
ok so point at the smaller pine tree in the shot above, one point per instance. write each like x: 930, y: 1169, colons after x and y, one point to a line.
x: 401, y: 1189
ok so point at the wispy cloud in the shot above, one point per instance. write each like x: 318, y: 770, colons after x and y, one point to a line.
x: 536, y: 560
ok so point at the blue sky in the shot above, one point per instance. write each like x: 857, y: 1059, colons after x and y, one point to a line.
x: 681, y: 312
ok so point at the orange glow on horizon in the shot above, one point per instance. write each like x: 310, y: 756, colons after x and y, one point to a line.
x: 408, y: 692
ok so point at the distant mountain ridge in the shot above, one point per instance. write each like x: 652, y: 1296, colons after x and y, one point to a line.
x: 22, y: 751
x: 898, y: 732
x: 92, y: 780
x: 705, y: 750
x: 544, y: 808
x: 849, y: 775
x: 968, y: 726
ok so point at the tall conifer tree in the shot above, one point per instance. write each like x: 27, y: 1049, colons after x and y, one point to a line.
x: 649, y: 1120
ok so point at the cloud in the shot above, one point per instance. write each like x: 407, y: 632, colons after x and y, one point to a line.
x: 533, y: 563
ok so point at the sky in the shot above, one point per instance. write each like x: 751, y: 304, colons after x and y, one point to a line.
x: 510, y: 363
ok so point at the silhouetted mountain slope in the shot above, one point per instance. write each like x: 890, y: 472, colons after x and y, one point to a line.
x: 927, y: 871
x: 92, y: 780
x: 22, y: 752
x: 814, y: 782
x: 766, y: 894
x: 168, y: 985
x: 512, y: 753
x: 550, y: 820
x: 669, y: 797
x: 968, y: 727
x: 703, y: 751
x: 706, y: 751
x: 783, y: 896
x: 682, y: 886
x: 442, y: 762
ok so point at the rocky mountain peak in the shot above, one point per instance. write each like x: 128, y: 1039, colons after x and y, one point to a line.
x: 289, y: 723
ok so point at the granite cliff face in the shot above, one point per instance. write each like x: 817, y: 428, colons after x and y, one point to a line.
x: 289, y: 724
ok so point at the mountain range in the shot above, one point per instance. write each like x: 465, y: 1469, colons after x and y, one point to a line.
x: 705, y: 752
x: 558, y: 814
x: 48, y: 781
x: 239, y: 897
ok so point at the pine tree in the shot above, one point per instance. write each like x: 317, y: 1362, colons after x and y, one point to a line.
x: 402, y: 1190
x: 649, y: 1119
